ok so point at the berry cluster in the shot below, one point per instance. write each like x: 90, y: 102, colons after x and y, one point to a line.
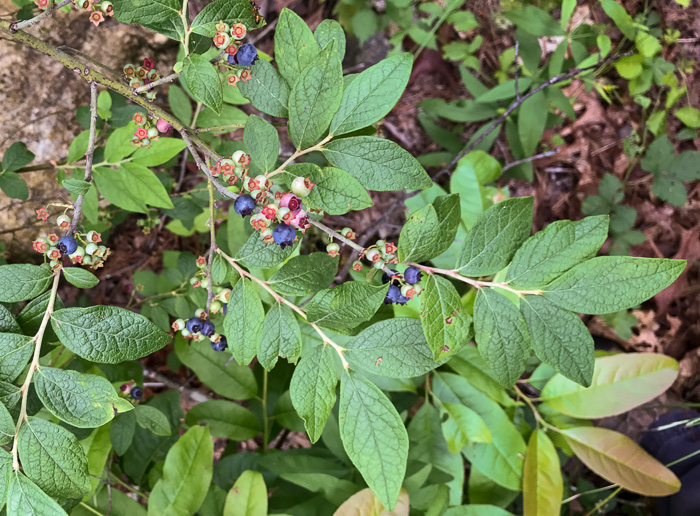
x: 280, y: 214
x: 333, y: 249
x: 199, y: 328
x: 135, y: 391
x: 379, y: 254
x: 147, y: 131
x: 97, y: 16
x: 228, y: 39
x: 55, y: 248
x: 403, y: 287
x: 142, y: 75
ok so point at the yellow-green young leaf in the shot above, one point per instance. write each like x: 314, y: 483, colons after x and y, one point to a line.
x: 15, y: 351
x: 224, y: 419
x: 280, y: 336
x: 374, y: 436
x: 98, y: 449
x: 618, y: 459
x: 463, y: 426
x: 203, y: 81
x: 305, y: 274
x: 372, y: 94
x: 366, y: 503
x: 312, y: 389
x: 82, y: 400
x: 25, y: 498
x: 620, y: 383
x: 248, y: 496
x: 244, y: 321
x: 690, y: 116
x: 267, y: 90
x: 53, y: 458
x: 543, y: 486
x: 262, y: 143
x: 295, y: 46
x: 19, y: 282
x: 187, y: 473
x: 647, y: 45
x: 609, y: 284
x: 477, y: 510
x: 315, y: 97
x: 618, y: 14
x: 336, y: 192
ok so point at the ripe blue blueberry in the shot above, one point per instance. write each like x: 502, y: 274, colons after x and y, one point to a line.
x: 225, y: 309
x: 244, y: 205
x: 221, y: 345
x: 247, y: 54
x: 412, y: 275
x: 386, y: 278
x: 393, y: 295
x: 137, y: 393
x: 207, y: 329
x: 284, y: 235
x: 67, y: 245
x: 194, y: 325
x: 402, y: 300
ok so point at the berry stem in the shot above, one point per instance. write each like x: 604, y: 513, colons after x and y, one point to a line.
x: 474, y: 283
x: 212, y: 246
x: 300, y: 152
x: 326, y: 339
x: 38, y: 339
x: 18, y: 25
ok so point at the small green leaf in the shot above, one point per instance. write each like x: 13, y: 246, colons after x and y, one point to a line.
x: 618, y: 14
x: 180, y: 103
x: 608, y: 284
x: 295, y: 46
x: 431, y: 230
x: 20, y: 282
x: 496, y: 235
x: 244, y: 321
x: 305, y: 274
x: 262, y: 143
x: 280, y: 337
x: 689, y: 115
x: 121, y: 432
x: 248, y: 496
x: 24, y: 498
x: 107, y: 334
x: 203, y: 81
x: 543, y: 486
x: 336, y: 192
x: 532, y: 118
x: 345, y: 306
x: 16, y: 157
x: 256, y: 253
x: 81, y: 278
x: 225, y: 419
x: 78, y: 147
x: 161, y: 150
x: 312, y: 389
x: 14, y: 186
x: 374, y: 436
x: 132, y: 187
x: 535, y: 21
x: 329, y: 30
x: 7, y: 434
x: 267, y: 90
x: 15, y: 351
x: 152, y: 419
x: 464, y: 426
x: 76, y: 186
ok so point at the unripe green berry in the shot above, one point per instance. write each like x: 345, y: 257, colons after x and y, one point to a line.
x: 90, y: 249
x: 379, y: 265
x: 185, y: 333
x: 63, y: 221
x: 178, y: 325
x: 152, y: 132
x: 215, y: 307
x: 199, y: 312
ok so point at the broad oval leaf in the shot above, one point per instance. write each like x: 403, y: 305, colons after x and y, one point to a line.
x: 431, y: 230
x: 160, y: 151
x: 295, y: 46
x: 15, y: 351
x: 618, y: 459
x: 620, y: 383
x: 248, y: 496
x: 366, y: 503
x: 346, y: 306
x: 20, y: 282
x: 7, y: 430
x: 267, y: 90
x: 79, y: 277
x: 328, y: 30
x: 281, y: 336
x: 464, y: 426
x: 256, y: 253
x: 152, y: 419
x: 336, y: 191
x: 203, y: 81
x: 244, y: 321
x: 107, y: 334
x: 543, y: 486
x: 374, y: 436
x: 305, y: 274
x: 7, y: 322
x: 82, y: 400
x: 262, y: 143
x: 225, y: 419
x: 25, y: 498
x: 228, y: 11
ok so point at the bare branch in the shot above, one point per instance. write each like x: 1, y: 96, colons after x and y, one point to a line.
x: 531, y: 158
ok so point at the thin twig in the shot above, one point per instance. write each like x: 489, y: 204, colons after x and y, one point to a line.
x: 515, y: 63
x: 78, y: 206
x: 528, y: 160
x: 212, y: 247
x: 15, y: 26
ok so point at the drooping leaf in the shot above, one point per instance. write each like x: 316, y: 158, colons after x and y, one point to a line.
x: 19, y: 282
x: 543, y: 486
x: 81, y: 278
x: 16, y: 157
x: 121, y: 432
x: 532, y: 119
x: 243, y: 322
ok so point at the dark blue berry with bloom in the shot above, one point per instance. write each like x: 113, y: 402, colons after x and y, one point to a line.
x: 225, y: 309
x: 194, y: 325
x: 244, y: 205
x: 393, y: 295
x: 402, y: 300
x: 412, y: 275
x: 247, y: 54
x: 137, y: 393
x: 221, y: 345
x: 67, y: 245
x: 207, y: 329
x: 284, y: 235
x: 231, y: 59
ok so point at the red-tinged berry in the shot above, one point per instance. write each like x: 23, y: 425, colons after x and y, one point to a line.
x: 333, y: 249
x: 125, y: 388
x: 357, y: 266
x: 348, y: 233
x: 302, y: 186
x: 148, y: 64
x: 201, y: 262
x: 246, y: 75
x: 300, y: 220
x: 178, y: 325
x: 408, y: 291
x: 373, y: 255
x: 412, y: 275
x: 270, y: 211
x: 231, y: 50
x: 284, y: 235
x: 291, y: 201
x: 40, y: 245
x: 141, y: 133
x: 164, y: 126
x: 136, y: 393
x: 389, y: 248
x: 238, y: 31
x: 138, y: 117
x: 42, y: 214
x: 232, y: 79
x: 244, y: 205
x: 259, y: 222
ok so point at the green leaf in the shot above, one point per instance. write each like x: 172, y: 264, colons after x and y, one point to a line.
x: 374, y: 436
x: 244, y: 321
x: 532, y: 118
x: 618, y: 14
x: 233, y: 381
x: 29, y: 319
x: 81, y: 278
x: 345, y: 306
x: 620, y: 460
x: 132, y: 187
x: 161, y: 16
x: 203, y: 81
x: 16, y: 157
x: 464, y: 426
x: 267, y: 90
x: 501, y: 459
x: 76, y: 186
x: 377, y: 164
x: 430, y: 231
x: 107, y: 334
x: 180, y: 103
x: 534, y: 21
x: 620, y: 383
x: 395, y: 348
x: 82, y: 400
x: 24, y: 498
x: 163, y: 149
x: 52, y: 457
x: 559, y: 338
x: 121, y: 432
x: 15, y: 351
x: 608, y: 284
x: 305, y: 274
x: 14, y: 186
x: 312, y: 389
x: 470, y: 364
x: 219, y: 269
x: 295, y: 46
x: 372, y: 94
x: 248, y: 496
x: 690, y: 116
x: 6, y: 477
x: 336, y: 192
x: 543, y: 486
x: 280, y: 337
x: 9, y: 395
x: 228, y: 11
x: 329, y: 30
x: 187, y: 473
x: 262, y: 143
x: 20, y: 282
x: 118, y: 144
x: 7, y: 434
x: 315, y: 97
x: 225, y: 419
x: 446, y: 325
x: 228, y: 115
x: 496, y: 235
x: 256, y: 253
x: 152, y: 419
x: 7, y: 322
x: 554, y: 250
x: 501, y: 335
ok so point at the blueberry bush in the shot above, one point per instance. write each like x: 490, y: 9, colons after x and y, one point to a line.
x: 404, y: 415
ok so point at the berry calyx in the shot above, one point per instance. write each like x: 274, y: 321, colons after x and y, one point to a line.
x: 348, y: 233
x: 333, y: 249
x: 40, y: 245
x: 238, y: 31
x: 136, y: 393
x: 244, y: 205
x: 357, y: 266
x: 412, y: 275
x: 94, y: 236
x: 284, y: 235
x: 67, y: 245
x: 178, y: 325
